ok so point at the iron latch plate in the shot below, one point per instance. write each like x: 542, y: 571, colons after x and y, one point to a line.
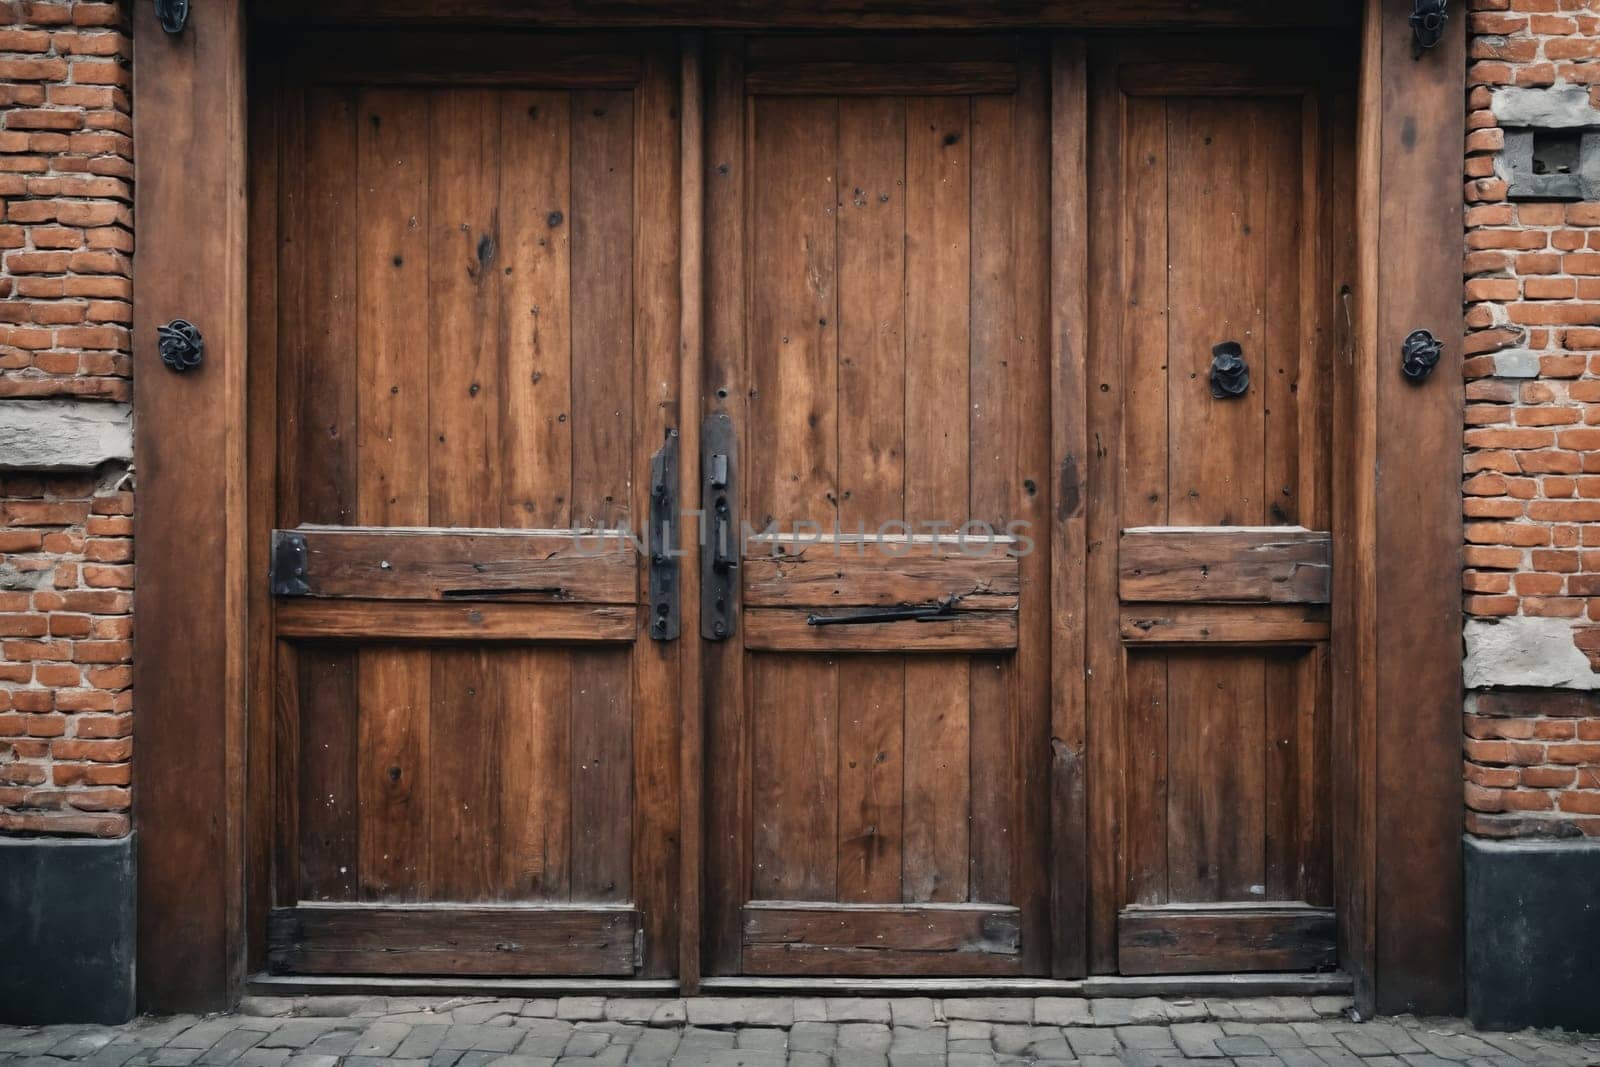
x: 719, y: 556
x: 663, y: 541
x: 287, y: 571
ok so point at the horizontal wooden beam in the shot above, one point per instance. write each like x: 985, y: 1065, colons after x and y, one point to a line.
x: 416, y: 563
x: 830, y: 14
x: 786, y: 630
x: 397, y: 939
x: 1216, y: 938
x: 384, y: 620
x: 880, y: 575
x: 873, y: 939
x: 1224, y: 624
x: 446, y: 57
x: 1225, y: 564
x: 867, y: 78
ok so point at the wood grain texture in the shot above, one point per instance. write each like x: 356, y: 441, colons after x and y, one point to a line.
x: 191, y: 521
x: 866, y: 78
x: 1225, y: 939
x: 824, y: 576
x: 452, y: 57
x: 657, y: 318
x: 876, y: 940
x: 785, y: 630
x: 1210, y: 167
x: 356, y: 620
x: 1224, y: 625
x: 1279, y: 565
x: 794, y: 751
x: 871, y: 444
x: 329, y: 813
x: 1068, y: 515
x: 938, y: 336
x: 1417, y: 526
x: 725, y: 391
x: 844, y: 14
x: 424, y: 940
x: 691, y: 339
x: 411, y: 563
x: 264, y: 852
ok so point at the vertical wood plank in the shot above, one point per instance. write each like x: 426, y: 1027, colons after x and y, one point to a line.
x: 1355, y: 635
x: 601, y: 776
x: 996, y: 390
x: 535, y: 797
x: 190, y: 563
x: 657, y: 409
x: 392, y: 448
x: 265, y: 845
x: 464, y: 776
x: 726, y: 390
x: 465, y: 391
x: 1031, y: 441
x: 1419, y: 889
x: 1287, y: 758
x: 1281, y: 152
x: 391, y: 321
x: 1216, y: 465
x: 535, y: 313
x: 871, y: 457
x: 325, y: 384
x: 534, y: 379
x: 1215, y: 777
x: 795, y: 762
x: 691, y: 337
x: 938, y: 337
x: 1069, y: 465
x: 793, y: 330
x: 1217, y: 253
x: 871, y: 702
x: 601, y: 264
x: 392, y: 771
x: 327, y: 824
x: 1146, y: 741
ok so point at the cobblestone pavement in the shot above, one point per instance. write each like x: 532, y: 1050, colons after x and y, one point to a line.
x: 773, y: 1031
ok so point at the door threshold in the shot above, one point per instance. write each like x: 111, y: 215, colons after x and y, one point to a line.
x: 1167, y: 985
x: 1164, y: 985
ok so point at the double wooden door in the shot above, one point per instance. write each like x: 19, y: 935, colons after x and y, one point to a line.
x: 906, y: 769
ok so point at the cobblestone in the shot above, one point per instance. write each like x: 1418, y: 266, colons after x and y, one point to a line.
x: 776, y: 1031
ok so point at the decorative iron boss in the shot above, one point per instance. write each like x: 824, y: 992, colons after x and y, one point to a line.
x: 1419, y: 354
x: 182, y: 348
x: 1230, y: 374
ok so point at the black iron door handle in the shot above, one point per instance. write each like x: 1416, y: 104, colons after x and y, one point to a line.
x: 942, y: 609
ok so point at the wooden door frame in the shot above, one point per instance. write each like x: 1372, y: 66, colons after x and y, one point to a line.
x: 1398, y: 701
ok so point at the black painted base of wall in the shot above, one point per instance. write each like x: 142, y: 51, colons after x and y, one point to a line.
x: 1533, y: 934
x: 67, y: 922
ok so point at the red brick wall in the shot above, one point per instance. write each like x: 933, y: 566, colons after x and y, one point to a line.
x: 66, y: 237
x: 1532, y: 485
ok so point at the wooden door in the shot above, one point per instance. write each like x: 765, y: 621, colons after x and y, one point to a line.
x: 1220, y: 225
x: 476, y: 739
x: 878, y: 231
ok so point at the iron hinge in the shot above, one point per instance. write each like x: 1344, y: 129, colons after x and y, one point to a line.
x: 288, y: 568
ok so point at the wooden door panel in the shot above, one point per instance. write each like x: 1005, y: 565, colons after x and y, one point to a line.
x: 893, y: 217
x: 477, y: 360
x: 487, y: 812
x: 1213, y: 755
